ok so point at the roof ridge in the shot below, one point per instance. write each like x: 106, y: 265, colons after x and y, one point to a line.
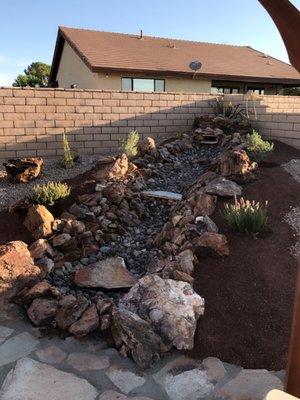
x: 154, y: 37
x: 269, y: 56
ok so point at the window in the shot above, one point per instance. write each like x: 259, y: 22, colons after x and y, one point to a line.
x: 143, y: 85
x: 256, y: 90
x: 225, y: 90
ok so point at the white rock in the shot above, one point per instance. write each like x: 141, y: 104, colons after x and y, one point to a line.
x: 251, y: 384
x: 32, y: 380
x: 162, y: 194
x: 183, y: 379
x: 51, y: 355
x: 17, y: 347
x: 5, y: 333
x: 86, y: 361
x: 124, y: 379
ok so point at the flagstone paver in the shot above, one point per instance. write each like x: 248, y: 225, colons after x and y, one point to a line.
x: 17, y: 347
x: 32, y: 380
x: 4, y: 333
x: 100, y: 373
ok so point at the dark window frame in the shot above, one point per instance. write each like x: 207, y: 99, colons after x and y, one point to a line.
x: 149, y: 79
x: 227, y: 87
x: 259, y: 88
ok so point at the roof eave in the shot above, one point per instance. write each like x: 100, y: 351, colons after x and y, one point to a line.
x: 233, y: 78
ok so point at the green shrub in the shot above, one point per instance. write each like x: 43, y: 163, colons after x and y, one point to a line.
x: 130, y: 144
x: 257, y: 148
x: 246, y: 216
x: 49, y: 193
x: 68, y: 159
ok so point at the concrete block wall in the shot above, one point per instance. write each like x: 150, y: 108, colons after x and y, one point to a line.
x: 276, y: 117
x: 33, y: 120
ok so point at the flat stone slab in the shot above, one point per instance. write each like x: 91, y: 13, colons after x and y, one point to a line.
x: 223, y: 187
x: 184, y: 379
x: 252, y: 384
x: 51, y: 355
x: 161, y: 194
x: 32, y: 380
x: 110, y: 273
x: 124, y: 379
x: 87, y: 362
x: 17, y: 347
x: 5, y: 333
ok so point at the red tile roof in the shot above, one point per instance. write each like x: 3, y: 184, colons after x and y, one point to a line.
x: 125, y: 52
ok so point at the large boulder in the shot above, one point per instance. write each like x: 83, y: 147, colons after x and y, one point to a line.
x: 39, y: 221
x: 171, y: 307
x: 223, y: 187
x: 22, y: 170
x: 110, y: 273
x: 111, y: 168
x: 211, y: 243
x: 235, y: 164
x: 17, y: 268
x: 138, y: 336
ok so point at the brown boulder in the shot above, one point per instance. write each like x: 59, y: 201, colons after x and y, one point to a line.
x: 205, y: 204
x: 42, y: 311
x: 40, y: 289
x: 138, y: 336
x: 87, y: 323
x: 211, y: 243
x: 17, y: 268
x: 71, y: 309
x: 111, y: 168
x: 39, y: 221
x: 41, y: 248
x: 235, y: 164
x: 147, y: 146
x: 114, y: 193
x: 22, y: 170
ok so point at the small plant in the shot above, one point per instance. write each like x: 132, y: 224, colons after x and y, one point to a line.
x: 258, y: 148
x: 180, y: 134
x: 246, y: 216
x: 68, y: 159
x: 229, y: 110
x: 49, y: 193
x: 130, y: 144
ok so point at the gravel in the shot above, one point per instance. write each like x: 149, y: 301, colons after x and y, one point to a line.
x: 293, y: 167
x: 11, y: 192
x: 293, y: 219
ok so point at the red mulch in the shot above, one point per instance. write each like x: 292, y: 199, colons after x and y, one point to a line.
x: 249, y: 295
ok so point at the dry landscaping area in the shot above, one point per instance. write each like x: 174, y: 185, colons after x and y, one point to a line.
x: 142, y: 254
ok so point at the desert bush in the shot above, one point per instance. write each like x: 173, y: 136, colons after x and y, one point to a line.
x: 130, y: 144
x: 257, y: 148
x: 49, y: 193
x: 246, y: 216
x: 229, y: 110
x: 68, y: 159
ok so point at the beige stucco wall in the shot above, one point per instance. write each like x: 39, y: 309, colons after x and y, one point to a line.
x: 72, y: 70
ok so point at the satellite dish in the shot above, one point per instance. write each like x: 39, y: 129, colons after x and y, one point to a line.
x: 195, y: 65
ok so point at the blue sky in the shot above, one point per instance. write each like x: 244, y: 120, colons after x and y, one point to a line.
x: 28, y: 28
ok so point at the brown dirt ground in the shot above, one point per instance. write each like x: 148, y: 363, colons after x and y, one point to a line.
x: 249, y: 295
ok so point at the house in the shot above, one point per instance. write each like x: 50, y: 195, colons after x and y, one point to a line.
x: 113, y: 61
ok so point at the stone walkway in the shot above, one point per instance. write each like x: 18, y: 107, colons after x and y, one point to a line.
x: 51, y: 368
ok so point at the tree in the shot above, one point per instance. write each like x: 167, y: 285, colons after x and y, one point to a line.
x: 36, y: 74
